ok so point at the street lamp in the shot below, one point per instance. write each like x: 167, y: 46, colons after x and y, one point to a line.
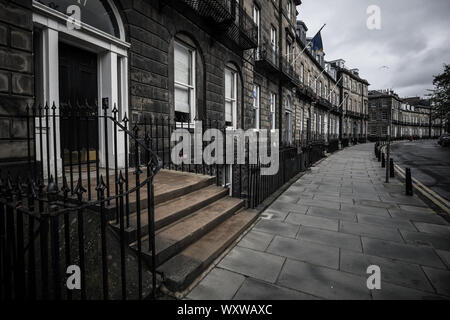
x: 388, y: 143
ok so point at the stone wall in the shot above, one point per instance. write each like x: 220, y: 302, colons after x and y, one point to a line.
x: 151, y: 32
x: 16, y: 78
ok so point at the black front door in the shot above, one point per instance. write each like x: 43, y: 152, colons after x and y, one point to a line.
x: 78, y: 94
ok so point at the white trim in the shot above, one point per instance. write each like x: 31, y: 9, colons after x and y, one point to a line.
x: 234, y: 100
x: 108, y: 48
x: 190, y: 87
x: 54, y: 19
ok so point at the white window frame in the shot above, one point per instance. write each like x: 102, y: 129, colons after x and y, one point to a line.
x: 273, y: 103
x: 288, y: 51
x: 302, y: 71
x: 232, y: 100
x: 257, y: 21
x: 256, y: 105
x: 112, y: 53
x: 190, y: 87
x: 288, y: 116
x: 273, y: 42
x: 289, y: 9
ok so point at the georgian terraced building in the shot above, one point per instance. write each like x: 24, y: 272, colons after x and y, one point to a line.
x: 185, y: 60
x: 407, y: 117
x: 90, y: 92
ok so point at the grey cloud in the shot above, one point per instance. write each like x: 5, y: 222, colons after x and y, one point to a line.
x: 413, y: 42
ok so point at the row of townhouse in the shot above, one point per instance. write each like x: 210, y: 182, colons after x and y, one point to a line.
x: 242, y: 62
x: 407, y: 117
x: 90, y: 92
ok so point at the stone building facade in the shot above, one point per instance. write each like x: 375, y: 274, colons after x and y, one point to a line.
x: 248, y: 64
x: 16, y: 79
x: 407, y: 117
x: 354, y: 100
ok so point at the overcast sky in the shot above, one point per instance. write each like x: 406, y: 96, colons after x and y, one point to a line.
x: 414, y: 40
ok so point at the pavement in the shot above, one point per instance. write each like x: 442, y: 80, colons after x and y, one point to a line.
x: 429, y: 163
x: 318, y: 238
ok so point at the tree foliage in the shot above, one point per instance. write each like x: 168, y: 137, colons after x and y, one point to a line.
x: 440, y: 95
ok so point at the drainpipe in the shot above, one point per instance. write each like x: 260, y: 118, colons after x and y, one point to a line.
x: 280, y: 64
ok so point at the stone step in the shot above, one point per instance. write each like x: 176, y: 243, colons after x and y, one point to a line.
x: 181, y: 270
x: 177, y: 236
x: 173, y: 210
x: 168, y: 185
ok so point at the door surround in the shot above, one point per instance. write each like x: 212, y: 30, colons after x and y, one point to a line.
x: 112, y: 60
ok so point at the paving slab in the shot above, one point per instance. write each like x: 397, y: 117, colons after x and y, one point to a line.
x: 426, y: 239
x: 323, y: 204
x: 313, y: 253
x: 383, y: 212
x: 331, y: 214
x: 318, y: 238
x: 286, y: 207
x: 323, y: 282
x: 445, y: 256
x: 256, y: 240
x: 228, y: 282
x: 312, y: 221
x: 371, y: 231
x: 253, y: 289
x: 271, y: 214
x: 390, y: 291
x: 410, y: 253
x: 331, y: 238
x: 387, y: 222
x: 253, y: 263
x: 415, y: 209
x: 277, y: 227
x: 440, y: 279
x: 441, y: 230
x: 393, y: 271
x: 426, y: 217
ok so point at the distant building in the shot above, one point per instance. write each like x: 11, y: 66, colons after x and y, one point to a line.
x: 354, y: 102
x: 407, y: 117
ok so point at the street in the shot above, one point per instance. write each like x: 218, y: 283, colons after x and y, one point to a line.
x: 318, y: 239
x: 429, y: 163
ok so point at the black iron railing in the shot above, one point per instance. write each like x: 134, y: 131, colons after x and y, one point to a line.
x: 266, y: 53
x: 229, y: 16
x: 289, y: 72
x: 55, y: 214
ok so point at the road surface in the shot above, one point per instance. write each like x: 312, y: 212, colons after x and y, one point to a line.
x: 429, y: 163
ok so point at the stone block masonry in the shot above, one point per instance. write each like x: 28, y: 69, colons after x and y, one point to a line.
x: 16, y: 76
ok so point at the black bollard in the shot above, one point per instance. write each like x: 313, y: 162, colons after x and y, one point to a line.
x: 391, y: 168
x: 379, y: 155
x: 383, y: 161
x: 408, y: 182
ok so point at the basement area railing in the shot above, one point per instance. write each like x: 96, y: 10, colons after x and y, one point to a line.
x: 55, y: 240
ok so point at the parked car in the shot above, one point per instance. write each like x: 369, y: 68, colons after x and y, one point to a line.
x: 444, y: 140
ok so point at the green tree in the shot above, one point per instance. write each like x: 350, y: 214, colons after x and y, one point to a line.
x: 440, y: 96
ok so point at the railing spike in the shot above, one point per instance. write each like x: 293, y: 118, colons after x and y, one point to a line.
x: 135, y: 129
x: 121, y: 180
x: 9, y: 185
x: 101, y: 185
x: 52, y: 188
x: 31, y: 190
x: 46, y: 106
x: 19, y: 188
x: 125, y: 118
x: 53, y: 106
x: 115, y: 110
x: 79, y: 189
x: 65, y: 187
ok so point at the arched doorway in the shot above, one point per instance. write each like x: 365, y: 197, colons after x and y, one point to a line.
x: 81, y: 60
